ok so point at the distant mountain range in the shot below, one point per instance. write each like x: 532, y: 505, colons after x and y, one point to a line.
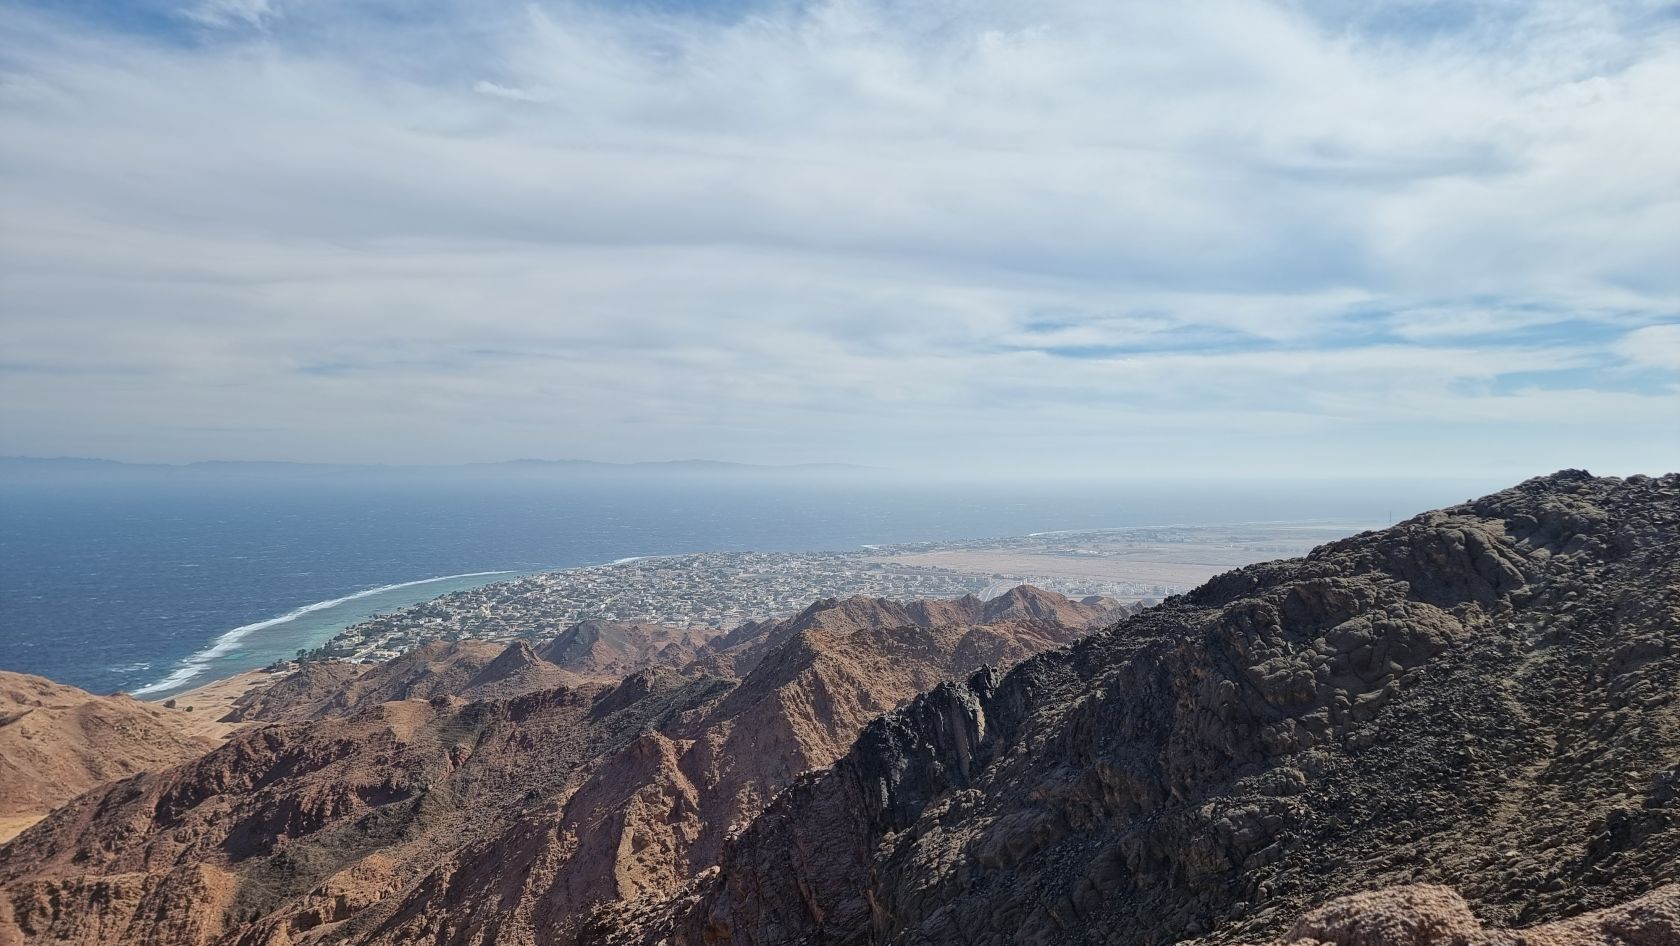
x: 13, y: 467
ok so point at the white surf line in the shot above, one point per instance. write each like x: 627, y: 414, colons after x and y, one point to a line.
x: 228, y: 642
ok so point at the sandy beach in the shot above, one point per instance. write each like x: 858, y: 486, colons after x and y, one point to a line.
x: 215, y: 699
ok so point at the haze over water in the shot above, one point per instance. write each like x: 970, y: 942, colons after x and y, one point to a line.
x: 131, y: 585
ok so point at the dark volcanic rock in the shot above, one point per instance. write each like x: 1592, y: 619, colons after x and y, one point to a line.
x: 1486, y: 696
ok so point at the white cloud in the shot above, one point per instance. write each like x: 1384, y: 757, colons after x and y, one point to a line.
x: 1654, y: 346
x: 844, y: 230
x: 224, y: 13
x: 483, y: 87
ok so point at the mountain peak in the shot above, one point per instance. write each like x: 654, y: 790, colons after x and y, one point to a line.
x: 1402, y: 705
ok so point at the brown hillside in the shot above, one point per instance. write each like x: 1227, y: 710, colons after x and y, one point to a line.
x: 466, y: 669
x: 57, y: 741
x: 453, y: 821
x: 300, y: 823
x: 614, y: 649
x: 592, y: 651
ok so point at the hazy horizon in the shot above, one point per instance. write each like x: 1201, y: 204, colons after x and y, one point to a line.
x: 1446, y: 485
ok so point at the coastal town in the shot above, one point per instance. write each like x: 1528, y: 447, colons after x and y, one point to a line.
x: 711, y: 589
x: 724, y: 589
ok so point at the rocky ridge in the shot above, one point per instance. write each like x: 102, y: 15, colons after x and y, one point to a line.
x: 613, y: 649
x: 1483, y: 695
x: 587, y: 652
x: 293, y: 826
x: 467, y: 669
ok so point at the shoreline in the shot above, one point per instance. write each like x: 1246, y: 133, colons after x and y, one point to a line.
x: 1132, y: 563
x: 175, y: 685
x: 198, y: 663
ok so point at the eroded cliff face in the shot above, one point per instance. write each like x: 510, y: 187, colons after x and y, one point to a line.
x: 1487, y: 696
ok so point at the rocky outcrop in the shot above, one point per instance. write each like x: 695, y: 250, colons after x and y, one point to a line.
x: 1484, y: 695
x: 57, y: 741
x: 614, y: 649
x: 468, y: 669
x: 1427, y: 915
x: 297, y: 696
x: 737, y: 651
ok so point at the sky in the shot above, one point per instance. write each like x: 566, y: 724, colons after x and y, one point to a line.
x: 1325, y: 238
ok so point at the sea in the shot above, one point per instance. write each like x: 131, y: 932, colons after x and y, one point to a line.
x: 154, y: 586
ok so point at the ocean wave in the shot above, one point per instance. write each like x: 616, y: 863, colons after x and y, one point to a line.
x: 196, y: 664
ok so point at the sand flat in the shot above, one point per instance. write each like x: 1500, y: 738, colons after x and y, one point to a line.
x: 1026, y: 565
x: 215, y: 699
x: 1129, y: 562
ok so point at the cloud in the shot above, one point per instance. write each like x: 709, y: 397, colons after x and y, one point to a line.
x: 1654, y: 346
x: 503, y: 92
x: 226, y: 13
x: 1307, y: 234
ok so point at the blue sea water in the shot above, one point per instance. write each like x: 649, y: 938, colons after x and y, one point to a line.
x: 140, y: 585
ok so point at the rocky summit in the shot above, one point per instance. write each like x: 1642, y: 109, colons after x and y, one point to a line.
x: 1463, y: 730
x: 1485, y: 697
